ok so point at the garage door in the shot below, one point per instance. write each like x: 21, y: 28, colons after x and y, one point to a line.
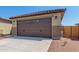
x: 34, y: 27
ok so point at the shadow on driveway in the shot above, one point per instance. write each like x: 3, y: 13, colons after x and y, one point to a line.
x: 31, y: 38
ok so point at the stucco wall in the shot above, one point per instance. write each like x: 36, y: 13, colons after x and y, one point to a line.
x: 56, y: 21
x: 56, y: 25
x: 5, y: 28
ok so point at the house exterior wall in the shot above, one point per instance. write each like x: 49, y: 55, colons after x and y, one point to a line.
x: 5, y: 28
x: 14, y: 28
x: 56, y: 26
x: 54, y: 21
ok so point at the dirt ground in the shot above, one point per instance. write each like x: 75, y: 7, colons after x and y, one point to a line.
x: 64, y: 45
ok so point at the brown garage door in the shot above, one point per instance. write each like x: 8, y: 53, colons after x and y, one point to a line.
x: 34, y: 27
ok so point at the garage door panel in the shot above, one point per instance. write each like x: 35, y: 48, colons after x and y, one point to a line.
x: 37, y: 27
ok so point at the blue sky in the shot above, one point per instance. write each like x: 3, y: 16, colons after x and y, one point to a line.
x: 71, y: 16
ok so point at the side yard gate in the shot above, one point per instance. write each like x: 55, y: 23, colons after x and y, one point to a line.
x: 71, y: 32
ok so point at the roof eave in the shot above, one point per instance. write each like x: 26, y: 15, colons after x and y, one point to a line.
x: 40, y: 13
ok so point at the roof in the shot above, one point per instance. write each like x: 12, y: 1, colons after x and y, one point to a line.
x: 39, y: 13
x: 4, y: 20
x: 77, y: 24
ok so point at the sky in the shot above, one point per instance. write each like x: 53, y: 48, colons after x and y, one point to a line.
x: 71, y: 16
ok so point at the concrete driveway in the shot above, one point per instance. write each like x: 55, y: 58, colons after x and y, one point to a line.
x: 24, y: 44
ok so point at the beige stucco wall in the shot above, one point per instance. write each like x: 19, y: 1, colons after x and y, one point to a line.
x: 5, y: 28
x: 56, y: 22
x: 56, y: 26
x: 14, y: 28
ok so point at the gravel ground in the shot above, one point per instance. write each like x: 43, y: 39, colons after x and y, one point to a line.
x: 64, y: 45
x: 24, y: 44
